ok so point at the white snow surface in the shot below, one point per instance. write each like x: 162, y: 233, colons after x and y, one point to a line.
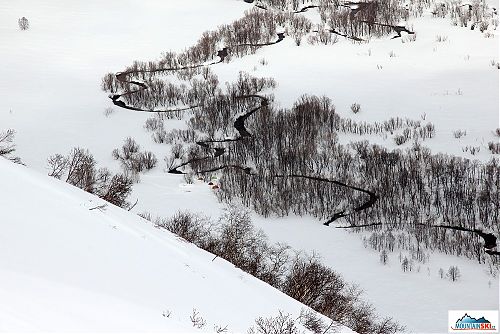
x: 65, y: 267
x: 50, y: 84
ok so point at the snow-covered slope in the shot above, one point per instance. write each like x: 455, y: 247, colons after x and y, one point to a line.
x: 50, y: 79
x: 66, y: 267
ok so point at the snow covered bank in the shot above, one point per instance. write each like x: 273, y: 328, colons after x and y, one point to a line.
x: 65, y: 266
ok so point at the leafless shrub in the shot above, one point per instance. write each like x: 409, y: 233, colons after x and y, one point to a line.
x: 129, y: 149
x: 494, y: 147
x: 24, y: 24
x: 146, y: 215
x: 497, y: 132
x: 313, y: 322
x: 160, y: 136
x: 483, y: 26
x: 392, y: 54
x: 7, y: 146
x: 471, y: 149
x: 191, y: 227
x: 148, y: 160
x: 108, y: 111
x: 384, y: 258
x: 189, y: 178
x: 153, y: 124
x: 177, y: 151
x: 317, y: 286
x: 239, y: 243
x: 132, y: 160
x: 281, y: 324
x: 219, y: 329
x: 409, y: 38
x: 276, y: 264
x: 113, y: 188
x: 57, y: 165
x: 197, y: 319
x: 459, y: 133
x: 402, y: 138
x: 355, y: 108
x: 453, y: 273
x: 81, y: 169
x: 441, y: 39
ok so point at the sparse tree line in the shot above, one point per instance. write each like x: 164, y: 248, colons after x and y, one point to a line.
x: 79, y: 169
x: 475, y: 14
x: 300, y: 276
x: 256, y: 29
x: 308, y: 321
x: 386, y: 241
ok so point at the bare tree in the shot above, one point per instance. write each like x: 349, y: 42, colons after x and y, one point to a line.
x: 280, y: 324
x: 24, y: 24
x: 384, y: 257
x: 7, y: 146
x: 197, y: 319
x: 453, y: 273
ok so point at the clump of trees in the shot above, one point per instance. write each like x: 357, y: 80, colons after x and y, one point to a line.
x: 476, y: 14
x: 301, y: 276
x: 79, y: 169
x: 134, y: 161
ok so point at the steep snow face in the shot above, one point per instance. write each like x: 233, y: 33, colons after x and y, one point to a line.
x: 67, y: 267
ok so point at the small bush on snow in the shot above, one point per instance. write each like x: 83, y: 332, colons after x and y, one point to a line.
x: 24, y: 24
x: 6, y: 145
x: 132, y: 159
x: 355, y: 108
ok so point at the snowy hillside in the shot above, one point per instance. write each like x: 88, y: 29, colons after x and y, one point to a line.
x: 65, y: 266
